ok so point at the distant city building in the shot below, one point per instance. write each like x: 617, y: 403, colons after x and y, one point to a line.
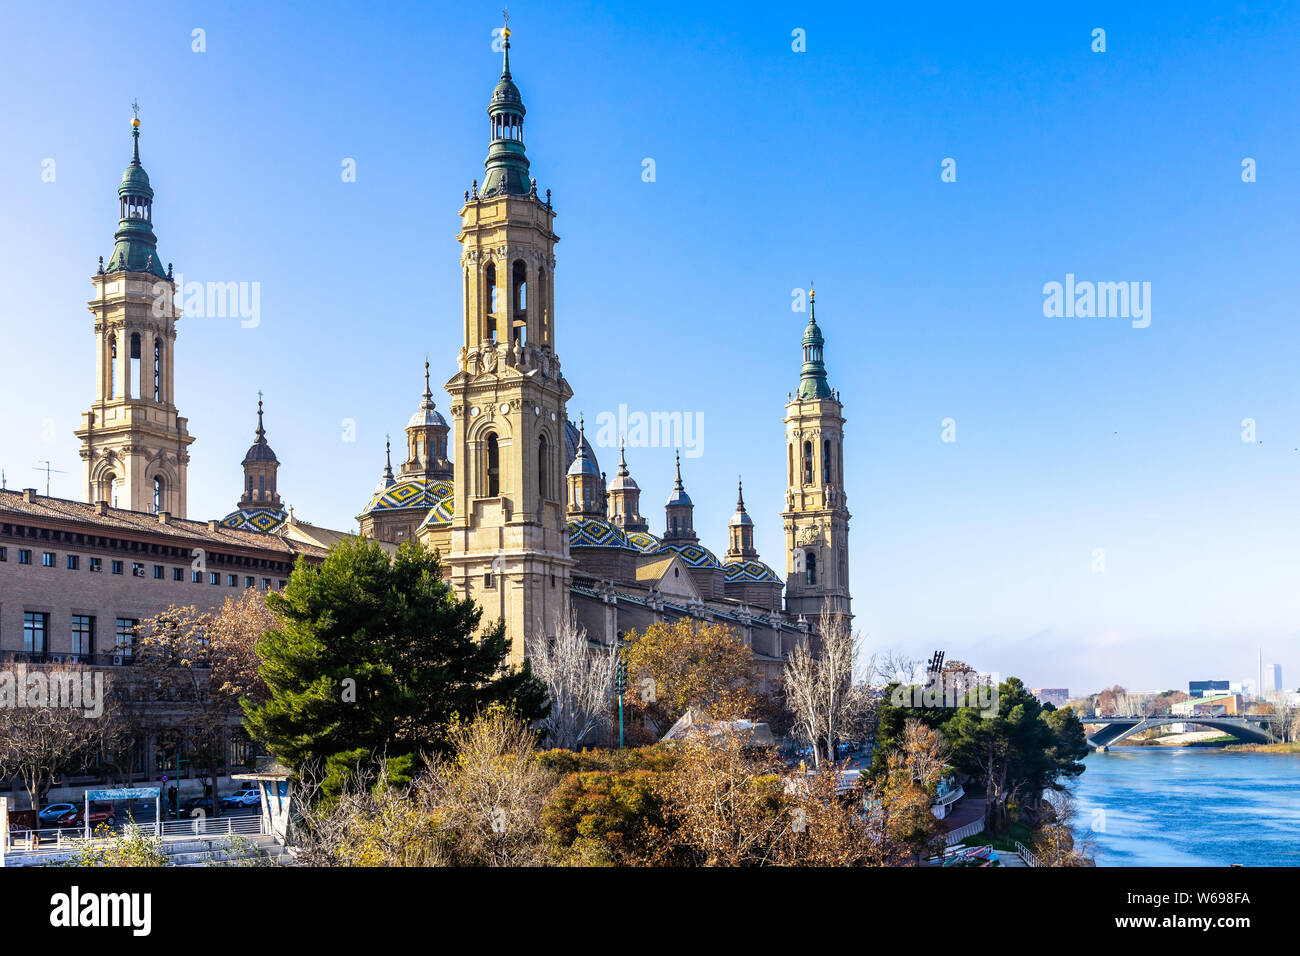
x: 1200, y: 688
x: 1272, y: 677
x: 1056, y: 696
x: 1211, y: 705
x: 1245, y: 687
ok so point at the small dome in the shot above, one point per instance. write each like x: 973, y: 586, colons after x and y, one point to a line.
x: 583, y: 465
x: 644, y: 541
x: 506, y: 94
x: 750, y: 572
x: 741, y: 519
x: 264, y: 520
x: 135, y: 182
x: 596, y: 533
x: 572, y: 437
x: 441, y: 513
x: 426, y: 416
x: 260, y: 451
x: 410, y: 493
x: 679, y: 497
x: 697, y: 556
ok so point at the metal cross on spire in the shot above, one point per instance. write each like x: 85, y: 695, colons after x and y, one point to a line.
x: 135, y: 108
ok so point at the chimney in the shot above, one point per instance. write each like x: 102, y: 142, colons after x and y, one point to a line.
x: 213, y: 524
x: 29, y: 494
x: 101, y: 507
x: 164, y: 517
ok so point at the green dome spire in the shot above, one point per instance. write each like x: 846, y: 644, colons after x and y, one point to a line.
x: 506, y: 164
x: 136, y: 246
x: 812, y: 383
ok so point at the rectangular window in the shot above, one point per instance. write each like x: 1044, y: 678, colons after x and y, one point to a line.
x: 74, y: 562
x: 36, y: 629
x: 97, y: 564
x: 117, y: 567
x: 124, y: 638
x: 137, y: 569
x: 214, y: 577
x: 178, y: 574
x: 487, y: 580
x: 266, y: 584
x: 47, y: 559
x: 83, y: 634
x: 157, y: 572
x: 232, y: 580
x: 24, y: 556
x: 283, y: 585
x: 196, y: 577
x: 250, y: 582
x: 4, y: 554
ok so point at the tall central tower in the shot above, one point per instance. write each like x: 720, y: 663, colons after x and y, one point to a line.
x: 134, y: 444
x: 816, y: 515
x: 509, y: 545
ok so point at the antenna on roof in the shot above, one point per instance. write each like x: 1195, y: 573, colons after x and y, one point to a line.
x: 4, y: 484
x: 48, y: 471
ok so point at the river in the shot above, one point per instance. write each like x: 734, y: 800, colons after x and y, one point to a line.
x: 1190, y: 806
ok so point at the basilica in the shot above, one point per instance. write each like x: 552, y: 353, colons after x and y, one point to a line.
x: 499, y: 481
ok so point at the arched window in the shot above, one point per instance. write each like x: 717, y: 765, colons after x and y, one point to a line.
x: 543, y: 304
x: 112, y: 365
x: 543, y: 485
x: 134, y: 385
x: 490, y: 302
x: 810, y: 568
x: 108, y: 489
x: 827, y: 471
x: 157, y: 370
x: 807, y: 463
x: 789, y: 464
x: 158, y: 495
x: 261, y: 487
x: 493, y: 466
x: 517, y: 320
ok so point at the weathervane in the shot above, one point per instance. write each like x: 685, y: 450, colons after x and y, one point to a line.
x: 135, y: 108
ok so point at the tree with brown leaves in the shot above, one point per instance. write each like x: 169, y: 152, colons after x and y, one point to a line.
x: 691, y: 663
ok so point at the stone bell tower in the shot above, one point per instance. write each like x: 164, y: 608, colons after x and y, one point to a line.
x: 816, y: 516
x: 134, y: 444
x: 509, y: 544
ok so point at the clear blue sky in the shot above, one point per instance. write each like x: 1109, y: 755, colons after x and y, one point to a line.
x: 773, y: 168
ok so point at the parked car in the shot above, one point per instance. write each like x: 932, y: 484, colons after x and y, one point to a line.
x: 50, y: 815
x: 241, y: 798
x: 198, y: 803
x: 99, y: 813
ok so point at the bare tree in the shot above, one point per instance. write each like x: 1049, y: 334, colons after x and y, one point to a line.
x: 578, y: 679
x: 895, y: 667
x: 819, y: 687
x: 55, y: 717
x: 1056, y: 843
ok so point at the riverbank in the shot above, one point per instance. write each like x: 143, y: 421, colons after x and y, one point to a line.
x: 1265, y: 748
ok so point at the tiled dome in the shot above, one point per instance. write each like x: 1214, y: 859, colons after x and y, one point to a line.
x: 410, y: 493
x: 254, y: 519
x: 697, y: 556
x: 596, y: 533
x: 644, y: 541
x: 748, y: 571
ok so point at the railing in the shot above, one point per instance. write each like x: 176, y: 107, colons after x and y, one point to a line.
x: 57, y: 838
x: 1027, y: 856
x: 212, y: 826
x: 949, y: 798
x: 970, y: 829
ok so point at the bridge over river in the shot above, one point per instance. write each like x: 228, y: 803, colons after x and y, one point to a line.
x: 1108, y: 731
